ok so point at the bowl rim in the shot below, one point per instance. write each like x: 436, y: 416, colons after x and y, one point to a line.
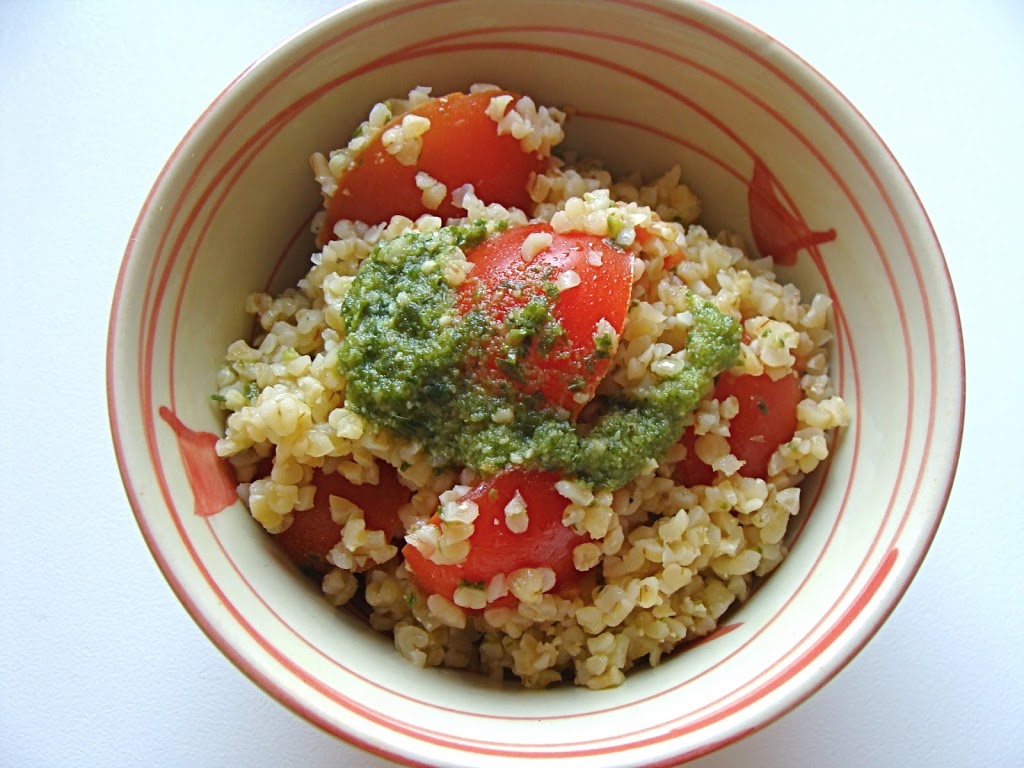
x: 810, y: 81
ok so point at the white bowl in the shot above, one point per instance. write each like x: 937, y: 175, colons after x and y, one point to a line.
x: 654, y: 83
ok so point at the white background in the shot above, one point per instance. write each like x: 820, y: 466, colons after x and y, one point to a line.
x: 100, y: 665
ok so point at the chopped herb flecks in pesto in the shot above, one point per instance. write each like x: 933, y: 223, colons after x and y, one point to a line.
x: 418, y: 363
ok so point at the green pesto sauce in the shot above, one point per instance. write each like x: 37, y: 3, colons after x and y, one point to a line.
x: 412, y: 362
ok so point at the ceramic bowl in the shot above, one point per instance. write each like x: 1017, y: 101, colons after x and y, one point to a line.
x: 774, y: 152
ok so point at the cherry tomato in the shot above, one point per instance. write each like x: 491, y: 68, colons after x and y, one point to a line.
x: 563, y: 367
x: 494, y: 549
x: 766, y: 419
x: 313, y: 533
x: 462, y: 146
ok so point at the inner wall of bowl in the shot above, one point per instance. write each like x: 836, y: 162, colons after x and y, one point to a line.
x: 647, y: 99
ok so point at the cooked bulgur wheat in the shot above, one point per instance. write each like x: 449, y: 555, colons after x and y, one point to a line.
x: 671, y: 559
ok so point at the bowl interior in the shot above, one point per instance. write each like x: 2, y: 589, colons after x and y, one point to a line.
x: 758, y: 135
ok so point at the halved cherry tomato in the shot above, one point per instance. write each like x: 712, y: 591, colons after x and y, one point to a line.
x: 313, y: 532
x: 462, y: 146
x: 494, y: 549
x: 565, y: 370
x: 766, y: 419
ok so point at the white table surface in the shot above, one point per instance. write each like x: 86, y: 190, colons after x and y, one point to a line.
x: 100, y: 665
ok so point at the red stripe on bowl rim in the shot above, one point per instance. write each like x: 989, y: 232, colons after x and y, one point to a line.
x: 126, y: 261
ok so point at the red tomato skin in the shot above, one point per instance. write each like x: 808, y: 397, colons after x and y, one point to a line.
x: 691, y: 471
x: 462, y: 146
x: 313, y: 532
x: 766, y: 419
x: 603, y: 293
x: 494, y: 549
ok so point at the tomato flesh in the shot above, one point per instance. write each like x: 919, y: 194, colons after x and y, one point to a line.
x: 313, y: 532
x: 766, y: 419
x: 563, y: 370
x: 462, y: 146
x: 494, y: 549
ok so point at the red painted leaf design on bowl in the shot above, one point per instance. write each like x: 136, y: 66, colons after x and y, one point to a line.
x: 213, y: 484
x: 778, y: 228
